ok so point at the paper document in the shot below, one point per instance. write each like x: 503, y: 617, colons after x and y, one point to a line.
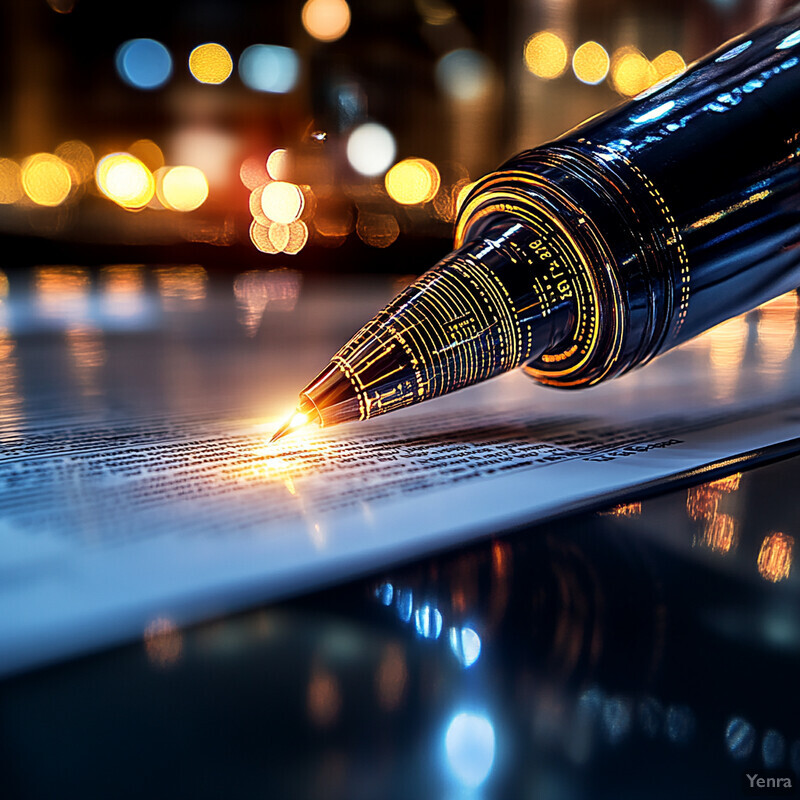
x: 114, y: 518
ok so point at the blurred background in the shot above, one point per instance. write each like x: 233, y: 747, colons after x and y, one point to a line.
x: 331, y: 135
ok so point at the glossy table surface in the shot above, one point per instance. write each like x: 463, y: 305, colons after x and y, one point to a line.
x: 649, y: 649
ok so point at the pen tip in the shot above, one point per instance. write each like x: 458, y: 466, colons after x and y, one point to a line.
x: 297, y: 420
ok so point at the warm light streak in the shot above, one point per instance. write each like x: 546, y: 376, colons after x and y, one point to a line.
x: 326, y: 20
x: 46, y: 179
x: 124, y: 179
x: 702, y: 502
x: 391, y: 678
x: 719, y: 533
x: 210, y: 63
x: 775, y: 556
x: 412, y: 181
x: 546, y: 55
x: 626, y: 510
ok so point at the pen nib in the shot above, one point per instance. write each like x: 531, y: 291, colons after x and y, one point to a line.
x: 298, y: 419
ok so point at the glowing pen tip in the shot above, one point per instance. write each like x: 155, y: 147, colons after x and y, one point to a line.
x: 299, y: 419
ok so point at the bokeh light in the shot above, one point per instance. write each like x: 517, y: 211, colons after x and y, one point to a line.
x: 143, y: 63
x: 546, y: 55
x: 278, y: 164
x: 79, y: 156
x: 298, y: 236
x: 148, y: 152
x: 377, y: 230
x: 668, y: 63
x: 590, y: 63
x: 125, y: 179
x: 412, y: 181
x: 470, y: 747
x: 278, y: 233
x: 46, y: 179
x: 253, y: 172
x: 259, y: 236
x: 464, y: 74
x: 10, y: 182
x: 210, y: 63
x: 183, y: 188
x: 326, y: 20
x: 269, y: 68
x: 282, y: 202
x: 370, y: 149
x: 631, y: 72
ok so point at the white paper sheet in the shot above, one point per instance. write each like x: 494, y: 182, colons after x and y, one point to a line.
x: 112, y: 519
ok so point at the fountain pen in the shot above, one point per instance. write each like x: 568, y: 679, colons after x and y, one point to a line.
x: 587, y: 256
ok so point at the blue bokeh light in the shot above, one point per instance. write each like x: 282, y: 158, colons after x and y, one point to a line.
x: 428, y: 621
x: 470, y: 747
x: 143, y: 63
x: 466, y: 645
x: 269, y: 68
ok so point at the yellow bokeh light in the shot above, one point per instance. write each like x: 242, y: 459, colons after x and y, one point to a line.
x: 546, y: 55
x: 298, y: 236
x: 326, y: 20
x: 278, y: 164
x: 631, y: 72
x: 210, y: 63
x: 148, y: 152
x: 668, y: 63
x: 46, y: 179
x: 125, y: 180
x: 10, y: 182
x: 590, y: 63
x: 278, y: 233
x: 412, y: 181
x: 282, y: 202
x: 259, y: 236
x: 183, y: 188
x: 79, y: 156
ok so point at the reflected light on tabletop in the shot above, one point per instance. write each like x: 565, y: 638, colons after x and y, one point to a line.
x: 182, y: 288
x: 775, y: 556
x: 62, y: 293
x: 122, y: 290
x: 163, y: 643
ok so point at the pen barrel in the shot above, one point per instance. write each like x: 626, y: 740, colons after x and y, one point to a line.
x: 682, y: 204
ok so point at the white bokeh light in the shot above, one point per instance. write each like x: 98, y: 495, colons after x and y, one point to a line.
x: 371, y: 149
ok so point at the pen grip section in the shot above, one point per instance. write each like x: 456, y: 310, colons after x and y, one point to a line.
x: 490, y: 306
